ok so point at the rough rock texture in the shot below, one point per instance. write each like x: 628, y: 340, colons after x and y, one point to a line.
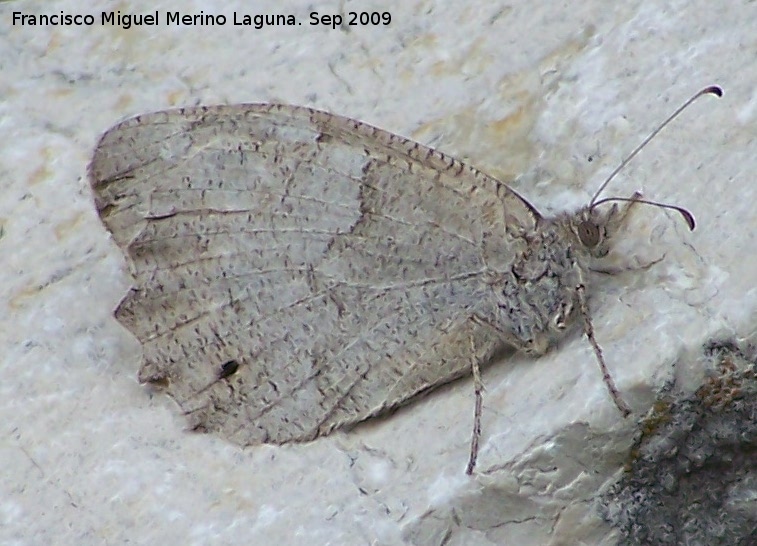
x: 692, y: 478
x: 546, y: 97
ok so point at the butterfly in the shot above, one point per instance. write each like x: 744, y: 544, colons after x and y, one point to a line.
x: 296, y: 272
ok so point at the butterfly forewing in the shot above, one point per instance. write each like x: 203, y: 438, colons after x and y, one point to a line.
x: 336, y: 263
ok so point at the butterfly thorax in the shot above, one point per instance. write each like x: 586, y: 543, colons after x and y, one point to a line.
x: 537, y: 299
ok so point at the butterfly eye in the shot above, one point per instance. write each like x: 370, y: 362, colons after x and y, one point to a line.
x: 588, y: 233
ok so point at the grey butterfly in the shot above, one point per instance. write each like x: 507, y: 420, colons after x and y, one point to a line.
x: 297, y: 271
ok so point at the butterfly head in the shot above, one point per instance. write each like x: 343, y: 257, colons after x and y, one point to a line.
x: 594, y: 228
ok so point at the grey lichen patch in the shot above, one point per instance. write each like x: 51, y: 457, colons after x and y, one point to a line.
x: 692, y: 476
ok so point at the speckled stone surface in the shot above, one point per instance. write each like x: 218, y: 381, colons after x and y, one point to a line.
x: 546, y: 97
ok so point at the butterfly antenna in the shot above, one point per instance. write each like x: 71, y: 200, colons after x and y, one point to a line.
x: 711, y: 90
x: 684, y: 212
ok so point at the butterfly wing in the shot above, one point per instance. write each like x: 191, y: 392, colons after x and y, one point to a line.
x: 334, y: 264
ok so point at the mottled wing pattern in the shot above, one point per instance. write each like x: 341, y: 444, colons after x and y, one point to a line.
x: 332, y: 265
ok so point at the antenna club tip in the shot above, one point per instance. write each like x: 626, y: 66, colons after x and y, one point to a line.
x: 712, y: 90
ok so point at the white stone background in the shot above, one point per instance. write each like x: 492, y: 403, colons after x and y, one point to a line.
x: 529, y: 91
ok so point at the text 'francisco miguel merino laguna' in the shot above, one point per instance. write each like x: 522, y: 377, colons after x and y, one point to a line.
x: 127, y: 20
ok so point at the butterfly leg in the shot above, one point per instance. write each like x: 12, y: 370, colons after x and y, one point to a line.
x: 478, y: 385
x: 589, y: 331
x: 478, y: 388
